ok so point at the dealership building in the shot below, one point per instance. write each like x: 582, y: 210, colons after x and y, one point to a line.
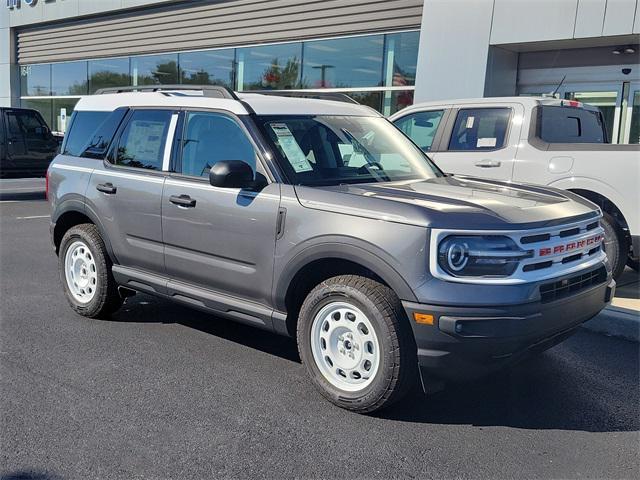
x: 384, y: 53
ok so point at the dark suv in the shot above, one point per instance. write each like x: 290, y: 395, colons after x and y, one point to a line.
x: 27, y: 145
x: 320, y: 220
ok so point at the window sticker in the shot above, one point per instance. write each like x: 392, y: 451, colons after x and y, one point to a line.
x: 290, y: 147
x: 470, y: 121
x: 486, y: 142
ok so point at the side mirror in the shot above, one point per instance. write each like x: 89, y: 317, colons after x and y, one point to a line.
x: 232, y: 174
x: 423, y: 123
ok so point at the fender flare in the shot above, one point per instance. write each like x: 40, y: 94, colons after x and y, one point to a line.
x: 346, y: 251
x: 80, y: 206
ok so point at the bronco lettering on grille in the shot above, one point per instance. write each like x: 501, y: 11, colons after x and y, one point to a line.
x: 571, y: 246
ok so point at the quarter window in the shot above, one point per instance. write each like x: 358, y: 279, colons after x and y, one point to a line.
x: 210, y: 138
x: 143, y: 139
x: 480, y: 129
x: 421, y: 127
x: 81, y: 132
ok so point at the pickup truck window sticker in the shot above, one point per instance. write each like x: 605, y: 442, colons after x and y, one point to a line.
x: 486, y: 142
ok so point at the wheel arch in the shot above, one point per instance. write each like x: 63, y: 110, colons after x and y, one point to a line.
x: 317, y: 263
x: 71, y: 213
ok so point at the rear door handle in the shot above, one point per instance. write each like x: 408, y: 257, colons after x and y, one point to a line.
x: 107, y: 188
x: 183, y: 201
x: 486, y: 163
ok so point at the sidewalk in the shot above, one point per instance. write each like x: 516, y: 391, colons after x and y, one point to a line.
x: 622, y: 317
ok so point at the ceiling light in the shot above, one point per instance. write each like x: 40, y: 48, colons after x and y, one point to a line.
x: 629, y: 50
x: 617, y: 51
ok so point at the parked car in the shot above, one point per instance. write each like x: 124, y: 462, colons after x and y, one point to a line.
x: 559, y: 143
x: 27, y: 145
x: 319, y: 220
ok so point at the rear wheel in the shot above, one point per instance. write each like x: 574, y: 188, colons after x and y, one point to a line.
x: 356, y: 344
x: 85, y: 272
x: 615, y: 244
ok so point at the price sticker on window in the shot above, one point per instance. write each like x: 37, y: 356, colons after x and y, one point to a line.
x: 291, y: 149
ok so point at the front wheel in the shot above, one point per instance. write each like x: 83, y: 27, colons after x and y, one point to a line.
x: 356, y: 344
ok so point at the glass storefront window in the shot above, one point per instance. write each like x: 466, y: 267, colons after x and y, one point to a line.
x: 212, y: 67
x: 43, y: 105
x: 402, y: 53
x: 35, y: 80
x: 60, y: 106
x: 371, y: 99
x: 634, y: 128
x: 271, y: 67
x: 108, y: 72
x: 399, y: 100
x: 69, y: 78
x: 344, y: 62
x: 155, y: 69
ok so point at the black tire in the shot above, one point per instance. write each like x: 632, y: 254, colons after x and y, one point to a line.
x: 615, y: 245
x: 106, y: 299
x: 397, y: 370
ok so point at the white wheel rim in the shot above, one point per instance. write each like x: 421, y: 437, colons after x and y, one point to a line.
x: 345, y: 346
x: 80, y: 272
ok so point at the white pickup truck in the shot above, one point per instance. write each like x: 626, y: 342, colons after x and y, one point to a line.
x: 546, y: 141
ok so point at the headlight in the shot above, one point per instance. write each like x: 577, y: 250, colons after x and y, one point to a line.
x: 480, y: 256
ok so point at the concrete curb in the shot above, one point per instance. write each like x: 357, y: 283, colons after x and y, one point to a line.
x: 616, y: 322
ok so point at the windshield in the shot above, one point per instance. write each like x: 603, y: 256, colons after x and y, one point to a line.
x: 333, y: 150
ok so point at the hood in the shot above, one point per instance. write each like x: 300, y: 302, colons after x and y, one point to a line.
x: 451, y: 202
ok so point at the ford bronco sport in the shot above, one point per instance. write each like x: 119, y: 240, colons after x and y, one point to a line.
x: 320, y: 220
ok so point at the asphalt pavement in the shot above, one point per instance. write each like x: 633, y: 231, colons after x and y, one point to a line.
x: 162, y: 391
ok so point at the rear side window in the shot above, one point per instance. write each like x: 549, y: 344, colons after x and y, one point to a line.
x: 81, y: 131
x: 142, y: 142
x: 421, y: 127
x: 570, y: 125
x: 480, y: 129
x: 22, y: 123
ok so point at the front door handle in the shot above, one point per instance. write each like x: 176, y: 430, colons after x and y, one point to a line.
x: 107, y: 188
x: 486, y: 163
x: 183, y: 201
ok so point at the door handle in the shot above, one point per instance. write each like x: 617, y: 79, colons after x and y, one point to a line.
x: 107, y: 188
x: 183, y: 201
x: 486, y: 163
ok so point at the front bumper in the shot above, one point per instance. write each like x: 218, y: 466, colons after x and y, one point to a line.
x: 469, y: 341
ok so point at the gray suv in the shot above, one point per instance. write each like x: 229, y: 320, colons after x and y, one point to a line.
x: 320, y: 220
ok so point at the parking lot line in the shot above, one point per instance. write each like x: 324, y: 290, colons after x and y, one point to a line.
x: 32, y: 217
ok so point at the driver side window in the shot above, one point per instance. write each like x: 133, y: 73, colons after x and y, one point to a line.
x: 421, y: 127
x: 212, y: 137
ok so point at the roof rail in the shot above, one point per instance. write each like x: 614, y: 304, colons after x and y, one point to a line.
x: 337, y: 97
x: 215, y: 91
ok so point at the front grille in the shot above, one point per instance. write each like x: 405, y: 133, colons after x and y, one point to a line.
x: 559, y: 248
x: 563, y: 288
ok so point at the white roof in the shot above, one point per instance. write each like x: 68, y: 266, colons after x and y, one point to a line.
x: 261, y: 104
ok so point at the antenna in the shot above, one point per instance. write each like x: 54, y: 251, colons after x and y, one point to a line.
x: 553, y: 94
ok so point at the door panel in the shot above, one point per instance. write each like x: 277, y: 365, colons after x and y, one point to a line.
x: 127, y: 195
x: 128, y: 204
x: 224, y: 241
x: 481, y: 141
x: 221, y: 239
